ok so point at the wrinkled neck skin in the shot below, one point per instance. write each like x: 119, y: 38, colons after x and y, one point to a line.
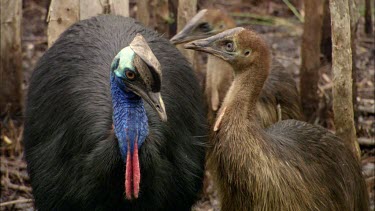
x: 129, y: 117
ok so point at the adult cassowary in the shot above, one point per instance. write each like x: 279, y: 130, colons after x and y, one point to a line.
x: 96, y: 135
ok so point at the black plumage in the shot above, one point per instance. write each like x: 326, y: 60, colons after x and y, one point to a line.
x: 71, y: 150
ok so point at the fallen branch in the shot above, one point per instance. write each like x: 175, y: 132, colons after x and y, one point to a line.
x: 17, y: 163
x: 367, y: 109
x: 366, y: 141
x: 18, y: 201
x: 17, y: 173
x: 255, y: 22
x: 264, y: 18
x: 15, y: 187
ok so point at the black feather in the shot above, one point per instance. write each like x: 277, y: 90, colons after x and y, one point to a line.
x: 73, y: 156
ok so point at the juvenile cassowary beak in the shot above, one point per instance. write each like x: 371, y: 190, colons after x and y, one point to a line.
x: 213, y: 44
x: 181, y: 37
x: 149, y: 69
x: 188, y: 33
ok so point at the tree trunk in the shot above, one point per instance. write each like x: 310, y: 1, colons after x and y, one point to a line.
x: 354, y: 19
x: 326, y: 42
x: 91, y: 8
x: 342, y: 73
x: 161, y: 17
x: 173, y: 6
x: 310, y: 53
x: 143, y: 14
x: 118, y: 7
x: 368, y: 17
x: 186, y: 10
x: 11, y: 93
x: 61, y: 15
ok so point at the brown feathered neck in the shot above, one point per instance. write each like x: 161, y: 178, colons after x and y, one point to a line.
x: 250, y: 74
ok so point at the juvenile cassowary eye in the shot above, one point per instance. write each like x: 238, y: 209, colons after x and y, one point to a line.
x: 205, y: 27
x: 229, y: 46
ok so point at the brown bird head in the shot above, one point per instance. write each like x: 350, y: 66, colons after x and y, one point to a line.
x: 240, y: 47
x: 205, y: 23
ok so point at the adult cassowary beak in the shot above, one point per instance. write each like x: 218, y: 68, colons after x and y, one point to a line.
x: 149, y: 69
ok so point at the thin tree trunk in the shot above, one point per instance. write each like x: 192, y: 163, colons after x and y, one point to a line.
x: 368, y: 17
x: 118, y: 7
x: 310, y: 53
x: 143, y: 14
x: 162, y: 17
x: 342, y: 73
x: 61, y: 15
x: 326, y: 42
x: 11, y: 94
x: 173, y: 6
x: 186, y: 10
x: 354, y: 19
x: 90, y: 8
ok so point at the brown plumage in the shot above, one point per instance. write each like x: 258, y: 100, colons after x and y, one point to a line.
x: 291, y: 165
x: 279, y: 89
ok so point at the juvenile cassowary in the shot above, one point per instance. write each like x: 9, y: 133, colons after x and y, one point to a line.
x: 114, y: 121
x: 279, y: 98
x: 289, y: 166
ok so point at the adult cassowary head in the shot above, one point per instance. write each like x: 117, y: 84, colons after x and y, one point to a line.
x: 135, y: 75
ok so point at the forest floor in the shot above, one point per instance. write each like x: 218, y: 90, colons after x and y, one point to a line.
x: 283, y: 36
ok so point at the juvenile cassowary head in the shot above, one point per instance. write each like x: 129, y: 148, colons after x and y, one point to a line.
x: 239, y: 47
x: 135, y: 75
x: 205, y: 23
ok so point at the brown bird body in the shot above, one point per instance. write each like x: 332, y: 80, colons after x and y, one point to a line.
x: 291, y: 165
x: 279, y: 89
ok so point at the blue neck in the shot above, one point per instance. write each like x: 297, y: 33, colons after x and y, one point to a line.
x: 129, y: 116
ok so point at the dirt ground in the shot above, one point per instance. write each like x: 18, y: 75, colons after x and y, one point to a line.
x: 285, y: 41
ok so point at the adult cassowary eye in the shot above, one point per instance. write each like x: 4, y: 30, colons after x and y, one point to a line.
x: 130, y: 75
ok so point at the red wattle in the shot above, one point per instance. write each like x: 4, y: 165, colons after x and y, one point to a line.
x: 128, y: 175
x: 136, y: 171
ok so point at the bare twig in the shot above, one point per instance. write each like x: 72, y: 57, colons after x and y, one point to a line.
x: 14, y: 172
x: 279, y: 112
x: 265, y: 18
x: 18, y: 201
x: 367, y: 109
x: 10, y: 185
x: 366, y: 141
x: 294, y: 10
x: 17, y: 163
x: 6, y: 139
x: 40, y: 39
x: 248, y: 22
